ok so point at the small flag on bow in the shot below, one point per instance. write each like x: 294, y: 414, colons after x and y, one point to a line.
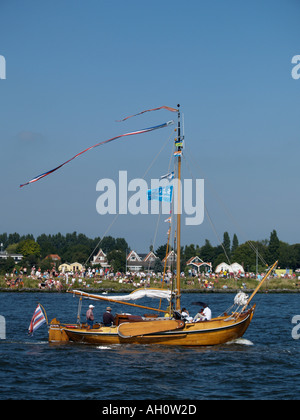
x: 37, y: 320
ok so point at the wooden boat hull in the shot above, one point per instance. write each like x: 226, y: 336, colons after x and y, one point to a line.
x: 208, y: 333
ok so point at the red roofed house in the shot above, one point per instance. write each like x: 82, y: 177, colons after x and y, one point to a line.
x: 196, y: 262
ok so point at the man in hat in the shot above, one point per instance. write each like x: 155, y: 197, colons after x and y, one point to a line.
x: 90, y: 317
x: 108, y: 318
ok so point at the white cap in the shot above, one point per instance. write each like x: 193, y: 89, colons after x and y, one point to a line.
x: 91, y: 306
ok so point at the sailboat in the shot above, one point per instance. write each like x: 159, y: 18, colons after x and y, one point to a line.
x: 167, y: 326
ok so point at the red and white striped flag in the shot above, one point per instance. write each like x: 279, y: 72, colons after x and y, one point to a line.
x: 37, y: 320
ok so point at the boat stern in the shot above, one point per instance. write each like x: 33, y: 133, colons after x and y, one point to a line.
x: 57, y: 333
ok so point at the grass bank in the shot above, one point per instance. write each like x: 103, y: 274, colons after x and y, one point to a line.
x: 187, y: 285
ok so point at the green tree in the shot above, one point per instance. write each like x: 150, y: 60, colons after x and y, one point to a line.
x: 246, y: 256
x: 235, y: 243
x: 121, y: 244
x: 288, y: 256
x: 12, y: 249
x: 161, y: 251
x: 76, y: 253
x: 46, y: 244
x: 108, y: 244
x: 226, y: 243
x: 219, y: 256
x: 29, y: 247
x: 117, y: 260
x: 274, y: 246
x: 13, y: 238
x: 207, y: 252
x: 6, y: 265
x: 296, y: 253
x: 189, y: 252
x: 46, y: 264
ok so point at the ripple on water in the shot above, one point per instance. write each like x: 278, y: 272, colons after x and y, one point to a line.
x: 264, y: 364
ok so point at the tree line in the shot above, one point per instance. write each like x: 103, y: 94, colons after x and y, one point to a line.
x: 78, y: 247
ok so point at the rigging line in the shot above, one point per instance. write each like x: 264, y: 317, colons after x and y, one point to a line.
x: 252, y: 246
x: 117, y: 215
x: 216, y: 233
x: 209, y: 218
x: 221, y: 243
x: 156, y: 157
x: 170, y: 227
x: 211, y: 222
x: 156, y: 230
x: 105, y: 233
x: 155, y: 235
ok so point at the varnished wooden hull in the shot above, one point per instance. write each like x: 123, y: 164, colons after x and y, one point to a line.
x: 208, y: 333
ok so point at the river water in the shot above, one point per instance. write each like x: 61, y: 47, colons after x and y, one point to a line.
x: 264, y: 364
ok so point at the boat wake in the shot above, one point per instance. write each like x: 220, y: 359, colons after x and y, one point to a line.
x: 241, y: 341
x: 104, y: 347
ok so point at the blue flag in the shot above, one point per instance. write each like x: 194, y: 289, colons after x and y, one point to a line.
x: 161, y: 194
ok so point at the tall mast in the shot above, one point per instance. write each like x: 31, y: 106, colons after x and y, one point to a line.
x: 178, y: 144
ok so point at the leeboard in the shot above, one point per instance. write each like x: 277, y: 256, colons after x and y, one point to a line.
x: 132, y: 329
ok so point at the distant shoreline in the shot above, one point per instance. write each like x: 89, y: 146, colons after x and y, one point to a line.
x: 127, y: 291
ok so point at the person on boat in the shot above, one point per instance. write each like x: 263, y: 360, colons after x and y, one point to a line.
x: 204, y: 314
x: 108, y: 318
x: 186, y: 316
x: 90, y: 317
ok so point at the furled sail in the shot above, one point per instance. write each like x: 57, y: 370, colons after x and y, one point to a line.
x: 137, y: 294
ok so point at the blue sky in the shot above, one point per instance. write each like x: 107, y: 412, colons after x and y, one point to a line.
x: 74, y: 67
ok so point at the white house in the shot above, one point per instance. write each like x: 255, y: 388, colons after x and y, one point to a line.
x: 137, y: 262
x: 101, y: 259
x: 4, y: 255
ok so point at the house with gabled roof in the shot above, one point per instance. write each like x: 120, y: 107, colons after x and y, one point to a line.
x: 171, y: 259
x: 53, y: 257
x: 137, y: 261
x: 100, y: 258
x: 197, y: 263
x: 150, y: 257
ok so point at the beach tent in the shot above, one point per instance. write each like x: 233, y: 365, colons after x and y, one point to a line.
x: 237, y: 268
x: 233, y: 268
x: 223, y: 267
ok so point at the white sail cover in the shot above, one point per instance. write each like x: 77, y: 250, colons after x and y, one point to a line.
x: 137, y: 294
x: 241, y: 299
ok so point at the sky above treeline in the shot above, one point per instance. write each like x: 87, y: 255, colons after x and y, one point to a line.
x: 73, y: 68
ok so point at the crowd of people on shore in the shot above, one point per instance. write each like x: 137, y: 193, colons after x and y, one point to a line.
x: 93, y: 277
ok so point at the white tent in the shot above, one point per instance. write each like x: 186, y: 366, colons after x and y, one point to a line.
x: 233, y: 268
x: 223, y: 267
x: 236, y: 268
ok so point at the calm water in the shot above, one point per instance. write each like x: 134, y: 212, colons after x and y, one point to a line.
x: 265, y: 364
